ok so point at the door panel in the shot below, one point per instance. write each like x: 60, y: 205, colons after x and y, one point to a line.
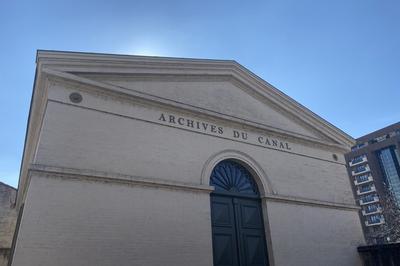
x: 254, y: 250
x: 250, y: 229
x: 250, y: 215
x: 222, y: 214
x: 224, y: 232
x: 238, y: 232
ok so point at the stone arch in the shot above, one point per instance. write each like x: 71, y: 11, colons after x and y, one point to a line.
x: 260, y: 177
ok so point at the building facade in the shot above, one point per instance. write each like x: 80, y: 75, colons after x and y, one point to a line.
x: 8, y: 217
x: 135, y: 160
x: 373, y: 167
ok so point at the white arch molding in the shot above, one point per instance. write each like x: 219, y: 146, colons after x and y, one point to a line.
x: 260, y: 177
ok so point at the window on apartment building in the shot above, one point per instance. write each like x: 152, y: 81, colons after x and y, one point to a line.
x: 357, y: 159
x: 381, y: 138
x: 364, y: 188
x: 368, y: 198
x: 360, y: 168
x: 389, y: 162
x: 371, y: 208
x: 376, y: 218
x: 358, y: 146
x: 362, y: 178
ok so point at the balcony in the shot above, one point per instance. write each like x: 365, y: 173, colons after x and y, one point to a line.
x: 381, y: 138
x: 362, y: 191
x: 358, y: 160
x: 359, y: 180
x: 359, y: 146
x: 362, y: 169
x: 375, y: 223
x: 369, y: 200
x: 377, y: 210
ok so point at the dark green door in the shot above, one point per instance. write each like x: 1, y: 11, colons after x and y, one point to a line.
x: 236, y: 214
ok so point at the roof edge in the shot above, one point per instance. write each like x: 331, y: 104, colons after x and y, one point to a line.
x: 53, y: 55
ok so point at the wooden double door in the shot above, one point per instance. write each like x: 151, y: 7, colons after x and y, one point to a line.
x: 237, y: 231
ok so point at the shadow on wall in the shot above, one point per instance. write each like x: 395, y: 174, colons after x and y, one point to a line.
x: 381, y: 255
x: 4, y: 256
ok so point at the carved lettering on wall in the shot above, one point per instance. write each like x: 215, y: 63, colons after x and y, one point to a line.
x: 214, y: 129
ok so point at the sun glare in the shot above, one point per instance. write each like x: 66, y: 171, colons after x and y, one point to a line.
x: 149, y: 50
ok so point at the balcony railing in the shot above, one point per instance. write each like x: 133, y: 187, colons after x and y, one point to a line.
x: 358, y: 160
x: 360, y: 170
x: 370, y: 189
x: 359, y: 180
x: 375, y: 211
x: 369, y: 200
x: 374, y: 223
x: 359, y: 146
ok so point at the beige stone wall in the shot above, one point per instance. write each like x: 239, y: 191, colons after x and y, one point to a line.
x: 226, y: 97
x: 91, y: 139
x: 311, y: 235
x: 8, y: 217
x: 112, y: 185
x: 78, y: 222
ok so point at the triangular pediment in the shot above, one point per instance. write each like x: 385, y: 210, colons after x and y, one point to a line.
x: 219, y: 87
x: 219, y: 94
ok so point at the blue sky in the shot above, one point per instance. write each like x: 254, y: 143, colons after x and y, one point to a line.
x: 341, y: 59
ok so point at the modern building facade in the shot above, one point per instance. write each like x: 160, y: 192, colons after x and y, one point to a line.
x: 151, y: 161
x: 373, y: 167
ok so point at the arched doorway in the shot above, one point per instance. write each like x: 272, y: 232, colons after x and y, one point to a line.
x: 237, y: 224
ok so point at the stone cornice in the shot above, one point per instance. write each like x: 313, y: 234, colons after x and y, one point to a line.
x: 92, y: 175
x: 115, y: 178
x: 35, y: 119
x: 311, y: 202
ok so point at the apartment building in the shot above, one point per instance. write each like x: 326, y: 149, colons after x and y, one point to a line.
x: 373, y: 167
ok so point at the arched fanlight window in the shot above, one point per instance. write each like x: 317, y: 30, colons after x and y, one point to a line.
x: 231, y: 177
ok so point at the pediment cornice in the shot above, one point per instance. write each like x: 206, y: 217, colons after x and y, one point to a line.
x: 74, y: 66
